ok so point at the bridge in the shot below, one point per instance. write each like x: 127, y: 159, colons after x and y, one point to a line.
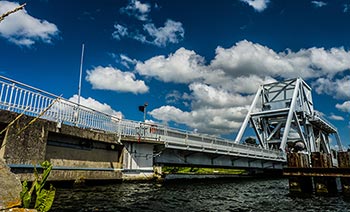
x: 82, y: 140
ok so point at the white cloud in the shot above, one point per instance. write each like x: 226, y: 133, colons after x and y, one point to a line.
x: 346, y: 8
x: 172, y: 97
x: 108, y: 78
x: 336, y: 118
x: 96, y: 105
x: 24, y: 30
x: 137, y: 9
x: 120, y: 31
x: 258, y: 5
x: 125, y: 60
x: 209, y: 96
x: 172, y: 32
x: 339, y: 88
x: 247, y: 58
x: 319, y: 3
x: 345, y: 106
x: 228, y: 82
x: 207, y: 120
x: 182, y: 67
x: 240, y: 84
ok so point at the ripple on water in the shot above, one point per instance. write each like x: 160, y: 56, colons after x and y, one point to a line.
x: 209, y: 195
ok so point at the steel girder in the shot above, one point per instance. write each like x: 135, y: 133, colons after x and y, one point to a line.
x: 282, y: 114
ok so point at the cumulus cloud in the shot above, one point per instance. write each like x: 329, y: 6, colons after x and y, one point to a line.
x: 247, y: 58
x: 137, y: 9
x: 345, y: 106
x: 229, y: 81
x: 182, y: 67
x: 258, y: 5
x: 240, y: 84
x: 213, y: 110
x: 319, y: 3
x: 339, y: 88
x: 175, y: 97
x: 96, y: 105
x: 208, y: 120
x: 24, y: 30
x: 209, y: 96
x: 108, y: 78
x: 246, y: 62
x: 172, y: 32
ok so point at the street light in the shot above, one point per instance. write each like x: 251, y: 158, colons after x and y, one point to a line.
x: 143, y: 109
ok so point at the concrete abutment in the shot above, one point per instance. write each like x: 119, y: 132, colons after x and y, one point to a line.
x: 76, y: 154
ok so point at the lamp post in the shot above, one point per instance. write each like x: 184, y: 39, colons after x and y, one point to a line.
x: 142, y: 108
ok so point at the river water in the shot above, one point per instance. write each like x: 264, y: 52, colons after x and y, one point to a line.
x: 204, y: 195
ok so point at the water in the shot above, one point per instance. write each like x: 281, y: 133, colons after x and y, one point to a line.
x: 207, y: 195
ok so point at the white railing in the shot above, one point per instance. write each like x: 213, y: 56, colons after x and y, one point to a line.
x: 318, y: 117
x: 18, y: 97
x: 22, y: 98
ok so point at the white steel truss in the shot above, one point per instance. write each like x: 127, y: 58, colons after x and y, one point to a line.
x: 282, y: 114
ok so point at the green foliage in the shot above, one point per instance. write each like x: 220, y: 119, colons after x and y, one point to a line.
x: 25, y: 196
x: 197, y: 170
x: 44, y: 198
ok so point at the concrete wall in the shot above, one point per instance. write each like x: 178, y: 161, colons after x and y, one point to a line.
x: 28, y: 147
x: 74, y: 152
x: 138, y: 156
x: 138, y: 161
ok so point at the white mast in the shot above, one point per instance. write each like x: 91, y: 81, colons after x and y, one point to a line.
x: 81, y: 72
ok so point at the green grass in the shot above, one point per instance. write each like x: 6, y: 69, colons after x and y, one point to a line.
x: 196, y: 170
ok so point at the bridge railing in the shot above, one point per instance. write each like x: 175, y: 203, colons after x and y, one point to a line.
x: 22, y: 98
x: 205, y: 142
x: 319, y: 117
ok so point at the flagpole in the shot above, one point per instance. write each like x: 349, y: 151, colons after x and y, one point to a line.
x: 81, y: 73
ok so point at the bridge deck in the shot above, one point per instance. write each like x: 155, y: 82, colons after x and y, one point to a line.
x: 21, y: 98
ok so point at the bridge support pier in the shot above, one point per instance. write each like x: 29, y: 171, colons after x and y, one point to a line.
x: 138, y: 161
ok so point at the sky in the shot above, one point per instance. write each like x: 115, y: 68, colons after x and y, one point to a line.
x: 198, y: 64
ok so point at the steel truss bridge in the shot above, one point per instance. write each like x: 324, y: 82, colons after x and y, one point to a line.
x: 268, y: 122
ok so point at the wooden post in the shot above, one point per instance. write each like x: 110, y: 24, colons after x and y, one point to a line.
x: 323, y: 185
x: 344, y: 162
x: 299, y: 185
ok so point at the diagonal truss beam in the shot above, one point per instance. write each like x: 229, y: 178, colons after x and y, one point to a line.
x: 290, y: 116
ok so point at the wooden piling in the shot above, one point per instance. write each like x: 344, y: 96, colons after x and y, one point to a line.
x: 299, y: 185
x: 323, y: 185
x: 344, y: 162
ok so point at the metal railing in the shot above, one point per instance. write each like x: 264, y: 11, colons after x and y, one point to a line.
x: 318, y: 117
x: 22, y: 98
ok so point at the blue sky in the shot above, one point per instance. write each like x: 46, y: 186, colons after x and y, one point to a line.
x: 197, y: 63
